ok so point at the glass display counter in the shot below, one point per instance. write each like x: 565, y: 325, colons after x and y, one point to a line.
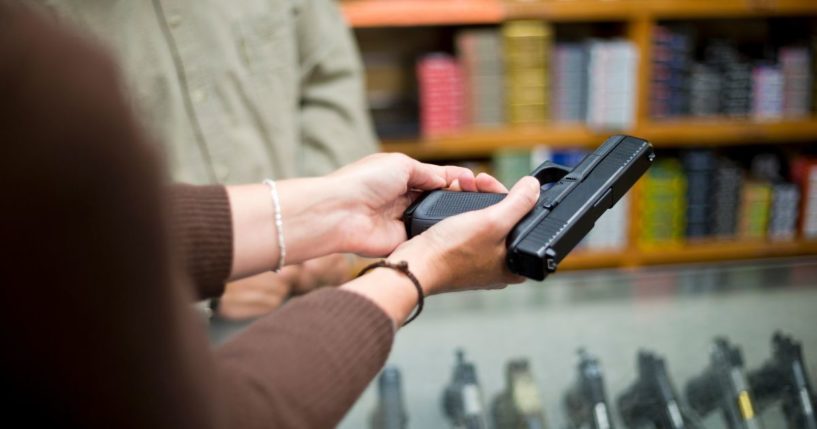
x: 640, y: 332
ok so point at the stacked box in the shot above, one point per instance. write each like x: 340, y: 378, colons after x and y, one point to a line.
x: 767, y: 92
x: 756, y: 200
x: 569, y: 89
x: 783, y: 217
x: 736, y: 78
x: 527, y: 49
x: 671, y: 58
x: 766, y: 166
x: 569, y: 157
x: 480, y: 54
x: 810, y: 202
x: 394, y: 113
x: 705, y: 91
x: 699, y: 168
x: 439, y: 78
x: 663, y: 204
x: 813, y: 72
x: 726, y: 199
x: 611, y: 84
x: 804, y: 172
x: 510, y: 165
x: 795, y: 65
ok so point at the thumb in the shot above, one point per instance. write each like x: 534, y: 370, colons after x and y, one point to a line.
x: 519, y: 201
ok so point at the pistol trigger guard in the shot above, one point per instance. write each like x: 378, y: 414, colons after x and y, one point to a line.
x: 549, y: 172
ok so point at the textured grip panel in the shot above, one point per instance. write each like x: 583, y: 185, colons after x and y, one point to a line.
x: 454, y: 203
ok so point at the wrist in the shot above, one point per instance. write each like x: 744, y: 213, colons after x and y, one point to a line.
x: 390, y: 290
x: 311, y: 215
x: 424, y: 262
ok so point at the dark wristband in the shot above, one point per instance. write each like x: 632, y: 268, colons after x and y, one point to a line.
x: 402, y: 267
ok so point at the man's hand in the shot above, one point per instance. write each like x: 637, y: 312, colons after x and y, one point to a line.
x: 331, y: 270
x: 260, y: 294
x: 254, y: 296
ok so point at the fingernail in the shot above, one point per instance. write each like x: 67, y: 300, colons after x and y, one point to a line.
x: 533, y: 183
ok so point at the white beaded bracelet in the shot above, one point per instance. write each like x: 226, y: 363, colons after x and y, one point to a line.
x: 279, y: 224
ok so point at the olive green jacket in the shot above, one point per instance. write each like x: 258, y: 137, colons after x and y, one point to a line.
x: 238, y: 90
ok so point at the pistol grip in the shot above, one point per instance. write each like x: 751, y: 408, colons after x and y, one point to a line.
x: 438, y: 205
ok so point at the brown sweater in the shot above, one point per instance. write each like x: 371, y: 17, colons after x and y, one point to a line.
x: 97, y: 330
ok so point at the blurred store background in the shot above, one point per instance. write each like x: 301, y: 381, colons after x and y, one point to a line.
x: 719, y: 239
x: 693, y: 302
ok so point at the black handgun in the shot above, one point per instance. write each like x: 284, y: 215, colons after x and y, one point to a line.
x: 462, y: 398
x: 390, y: 412
x: 565, y: 212
x: 724, y: 385
x: 519, y: 406
x: 651, y: 401
x: 586, y: 401
x: 784, y: 378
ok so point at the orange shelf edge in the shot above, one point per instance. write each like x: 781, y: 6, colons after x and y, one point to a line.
x: 482, y: 143
x: 387, y: 13
x: 725, y: 131
x: 401, y: 13
x: 708, y: 251
x: 592, y: 259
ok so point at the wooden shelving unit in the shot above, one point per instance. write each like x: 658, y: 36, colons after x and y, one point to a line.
x: 640, y: 18
x: 391, y: 13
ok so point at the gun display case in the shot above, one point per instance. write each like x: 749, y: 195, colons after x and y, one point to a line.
x: 699, y: 346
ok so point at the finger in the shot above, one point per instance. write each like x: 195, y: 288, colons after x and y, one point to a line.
x: 463, y: 176
x: 401, y: 204
x: 427, y: 176
x: 254, y: 297
x: 520, y: 200
x: 288, y: 274
x: 413, y: 196
x: 454, y: 186
x: 487, y: 183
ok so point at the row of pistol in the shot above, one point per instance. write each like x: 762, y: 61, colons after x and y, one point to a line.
x: 651, y: 401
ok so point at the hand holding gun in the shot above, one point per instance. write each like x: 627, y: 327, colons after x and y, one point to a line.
x: 520, y: 405
x: 784, y: 377
x: 586, y: 401
x: 565, y: 212
x: 724, y: 385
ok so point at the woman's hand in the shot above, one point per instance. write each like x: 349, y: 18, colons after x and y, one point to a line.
x: 357, y: 209
x: 468, y: 251
x: 377, y: 190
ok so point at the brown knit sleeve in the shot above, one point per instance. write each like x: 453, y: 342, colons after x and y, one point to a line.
x: 304, y: 365
x: 99, y: 330
x: 201, y: 227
